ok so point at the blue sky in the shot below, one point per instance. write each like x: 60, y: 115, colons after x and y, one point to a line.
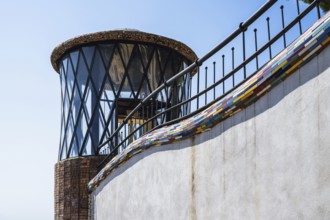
x: 30, y: 88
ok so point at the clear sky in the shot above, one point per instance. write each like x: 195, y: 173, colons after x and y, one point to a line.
x: 30, y: 88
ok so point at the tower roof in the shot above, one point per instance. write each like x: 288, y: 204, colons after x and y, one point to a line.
x: 120, y: 35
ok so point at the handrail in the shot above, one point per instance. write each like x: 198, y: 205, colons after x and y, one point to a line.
x: 197, y: 63
x: 241, y: 29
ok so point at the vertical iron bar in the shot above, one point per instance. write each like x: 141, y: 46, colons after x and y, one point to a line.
x: 122, y: 137
x: 134, y: 125
x: 178, y: 107
x: 318, y: 10
x: 152, y: 113
x: 156, y: 107
x: 223, y: 73
x: 244, y: 55
x: 125, y: 133
x: 190, y: 82
x: 298, y: 10
x: 270, y: 46
x: 116, y: 123
x: 283, y: 25
x: 198, y: 88
x: 205, y: 85
x: 166, y: 112
x: 233, y: 63
x: 147, y: 117
x: 256, y: 46
x: 142, y: 119
x: 214, y: 80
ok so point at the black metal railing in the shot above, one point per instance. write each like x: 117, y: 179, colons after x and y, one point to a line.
x: 210, y: 85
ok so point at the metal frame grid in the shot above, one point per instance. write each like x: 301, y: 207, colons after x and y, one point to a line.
x: 102, y: 82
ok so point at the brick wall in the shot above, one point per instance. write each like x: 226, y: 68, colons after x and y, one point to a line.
x: 71, y: 194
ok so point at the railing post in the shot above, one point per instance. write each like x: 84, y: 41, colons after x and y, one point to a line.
x: 283, y: 24
x: 223, y: 73
x: 256, y: 46
x: 268, y: 30
x: 243, y: 43
x: 205, y: 84
x: 214, y: 79
x: 298, y: 10
x: 233, y: 63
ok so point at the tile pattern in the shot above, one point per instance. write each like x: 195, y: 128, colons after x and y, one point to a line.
x: 294, y: 56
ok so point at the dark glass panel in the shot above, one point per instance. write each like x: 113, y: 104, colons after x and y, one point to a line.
x: 88, y: 53
x: 154, y: 72
x: 65, y: 66
x: 102, y: 127
x: 88, y: 147
x: 74, y: 59
x: 117, y: 71
x: 177, y: 63
x: 163, y: 55
x: 66, y: 105
x: 82, y: 74
x: 98, y: 72
x: 74, y: 148
x: 146, y: 54
x: 125, y: 51
x: 106, y: 51
x: 62, y: 80
x: 136, y: 73
x: 63, y: 151
x: 75, y: 104
x: 108, y: 90
x: 69, y: 133
x: 168, y: 68
x: 70, y: 79
x: 94, y: 126
x: 81, y: 130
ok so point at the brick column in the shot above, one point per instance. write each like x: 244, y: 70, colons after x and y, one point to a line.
x: 71, y: 194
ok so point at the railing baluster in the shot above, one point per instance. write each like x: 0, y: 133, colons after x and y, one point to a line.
x: 318, y: 10
x: 268, y: 30
x: 233, y: 63
x: 143, y: 118
x: 283, y: 24
x: 198, y: 88
x: 298, y: 10
x: 244, y: 55
x: 223, y: 73
x: 256, y: 46
x: 213, y: 79
x: 205, y: 84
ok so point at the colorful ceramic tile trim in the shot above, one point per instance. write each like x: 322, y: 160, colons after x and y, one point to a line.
x: 294, y: 56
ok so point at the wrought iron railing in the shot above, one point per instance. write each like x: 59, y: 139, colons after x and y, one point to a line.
x: 255, y: 51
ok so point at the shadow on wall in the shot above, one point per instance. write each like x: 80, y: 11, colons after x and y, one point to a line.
x: 300, y: 77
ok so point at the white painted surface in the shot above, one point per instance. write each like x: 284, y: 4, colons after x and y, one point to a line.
x: 270, y: 161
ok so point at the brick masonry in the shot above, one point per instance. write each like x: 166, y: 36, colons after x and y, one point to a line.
x: 71, y: 193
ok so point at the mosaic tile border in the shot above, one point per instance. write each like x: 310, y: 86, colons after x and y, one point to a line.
x: 294, y: 56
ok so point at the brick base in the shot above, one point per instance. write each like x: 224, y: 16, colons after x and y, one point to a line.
x: 71, y: 193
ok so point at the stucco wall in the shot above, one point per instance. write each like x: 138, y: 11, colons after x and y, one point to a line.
x: 269, y: 161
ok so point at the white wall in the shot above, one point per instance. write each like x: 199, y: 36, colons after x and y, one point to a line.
x: 270, y: 161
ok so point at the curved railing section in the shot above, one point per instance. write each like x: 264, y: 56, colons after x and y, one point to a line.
x: 222, y: 70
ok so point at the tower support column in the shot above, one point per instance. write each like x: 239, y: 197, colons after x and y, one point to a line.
x: 71, y: 193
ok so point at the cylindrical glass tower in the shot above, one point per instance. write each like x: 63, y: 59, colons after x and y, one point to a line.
x: 105, y: 75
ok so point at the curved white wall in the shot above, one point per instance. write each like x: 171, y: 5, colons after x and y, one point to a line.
x: 270, y: 161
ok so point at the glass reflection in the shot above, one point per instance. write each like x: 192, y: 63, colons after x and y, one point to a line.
x: 101, y: 84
